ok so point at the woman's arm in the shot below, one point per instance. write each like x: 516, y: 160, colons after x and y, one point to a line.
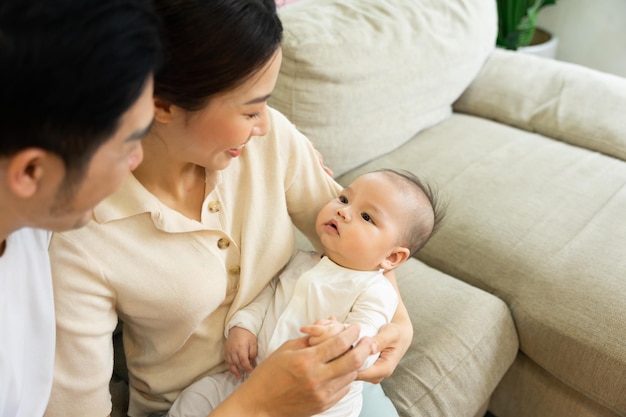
x: 393, y: 340
x: 298, y: 380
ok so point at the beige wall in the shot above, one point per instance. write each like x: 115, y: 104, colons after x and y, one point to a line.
x: 590, y: 32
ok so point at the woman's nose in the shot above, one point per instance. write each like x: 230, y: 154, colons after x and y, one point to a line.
x: 262, y: 126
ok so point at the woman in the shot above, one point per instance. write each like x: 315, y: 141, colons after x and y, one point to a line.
x: 198, y: 231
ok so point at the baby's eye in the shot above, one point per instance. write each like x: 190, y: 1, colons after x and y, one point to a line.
x: 343, y: 199
x: 253, y: 116
x: 367, y: 217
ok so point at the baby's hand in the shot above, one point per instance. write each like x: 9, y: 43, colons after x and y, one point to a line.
x: 322, y: 330
x: 240, y: 349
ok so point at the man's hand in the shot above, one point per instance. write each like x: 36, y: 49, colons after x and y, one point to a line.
x: 299, y: 380
x: 240, y: 349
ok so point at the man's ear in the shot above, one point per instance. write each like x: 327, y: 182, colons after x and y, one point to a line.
x: 25, y: 171
x: 395, y: 258
x: 163, y: 110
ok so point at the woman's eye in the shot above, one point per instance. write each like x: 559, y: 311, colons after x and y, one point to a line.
x: 367, y: 217
x: 253, y: 116
x: 343, y: 199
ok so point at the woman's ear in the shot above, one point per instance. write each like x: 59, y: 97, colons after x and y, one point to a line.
x: 163, y: 110
x: 25, y: 171
x: 395, y: 258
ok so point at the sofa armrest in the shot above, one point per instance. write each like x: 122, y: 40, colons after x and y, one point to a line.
x: 568, y: 102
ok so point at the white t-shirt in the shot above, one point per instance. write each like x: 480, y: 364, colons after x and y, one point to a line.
x: 27, y: 329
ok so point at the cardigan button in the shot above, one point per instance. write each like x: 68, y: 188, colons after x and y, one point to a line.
x: 234, y: 270
x: 214, y: 206
x: 223, y: 243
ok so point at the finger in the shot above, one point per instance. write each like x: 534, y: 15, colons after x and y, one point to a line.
x: 380, y: 370
x: 339, y: 344
x: 351, y: 361
x: 231, y: 359
x: 389, y: 335
x: 295, y: 344
x: 244, y: 362
x: 312, y: 330
x: 253, y: 351
x: 383, y: 367
x: 235, y: 371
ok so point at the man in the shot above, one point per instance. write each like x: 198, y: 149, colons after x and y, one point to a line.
x: 76, y: 98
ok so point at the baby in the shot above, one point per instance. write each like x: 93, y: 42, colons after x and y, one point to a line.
x: 374, y: 225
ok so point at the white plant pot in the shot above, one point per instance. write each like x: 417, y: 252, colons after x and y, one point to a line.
x: 543, y: 44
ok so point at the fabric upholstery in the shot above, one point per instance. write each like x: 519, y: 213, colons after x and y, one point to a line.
x: 464, y: 340
x: 529, y: 219
x: 556, y: 99
x: 340, y: 56
x: 527, y: 390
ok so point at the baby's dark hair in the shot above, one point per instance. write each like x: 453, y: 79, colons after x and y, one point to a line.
x: 421, y: 224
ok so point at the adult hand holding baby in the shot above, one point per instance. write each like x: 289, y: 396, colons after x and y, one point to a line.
x: 299, y: 379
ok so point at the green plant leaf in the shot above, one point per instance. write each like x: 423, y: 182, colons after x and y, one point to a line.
x: 517, y: 20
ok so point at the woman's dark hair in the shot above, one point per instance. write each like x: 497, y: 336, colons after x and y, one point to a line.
x: 69, y: 71
x: 213, y: 46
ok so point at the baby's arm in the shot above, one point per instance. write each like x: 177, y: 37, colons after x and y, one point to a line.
x: 374, y: 309
x: 240, y: 346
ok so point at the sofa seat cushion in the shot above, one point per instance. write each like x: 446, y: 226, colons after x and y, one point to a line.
x: 377, y: 71
x: 539, y: 223
x: 527, y: 390
x: 464, y: 340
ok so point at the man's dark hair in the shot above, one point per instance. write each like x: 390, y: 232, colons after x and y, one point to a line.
x: 69, y: 70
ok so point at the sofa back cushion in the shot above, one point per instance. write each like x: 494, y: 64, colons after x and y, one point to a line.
x: 361, y: 77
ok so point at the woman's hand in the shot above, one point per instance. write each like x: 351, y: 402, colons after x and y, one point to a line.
x: 393, y: 347
x: 299, y: 380
x: 394, y: 340
x: 324, y: 167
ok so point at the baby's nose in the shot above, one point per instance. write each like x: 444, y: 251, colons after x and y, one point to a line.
x: 344, y: 213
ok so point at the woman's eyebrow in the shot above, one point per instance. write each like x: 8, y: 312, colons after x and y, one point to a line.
x: 258, y: 100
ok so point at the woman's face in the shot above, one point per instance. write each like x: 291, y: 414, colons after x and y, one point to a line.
x: 214, y: 135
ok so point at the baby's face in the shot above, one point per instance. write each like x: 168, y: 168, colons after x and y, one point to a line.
x: 361, y: 227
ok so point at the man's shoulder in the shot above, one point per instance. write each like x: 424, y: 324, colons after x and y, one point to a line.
x: 27, y: 240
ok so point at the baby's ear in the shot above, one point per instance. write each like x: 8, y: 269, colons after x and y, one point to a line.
x: 395, y: 258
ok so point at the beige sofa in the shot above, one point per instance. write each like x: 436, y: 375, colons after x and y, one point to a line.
x: 519, y: 301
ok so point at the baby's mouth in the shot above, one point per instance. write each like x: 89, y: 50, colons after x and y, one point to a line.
x: 333, y: 224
